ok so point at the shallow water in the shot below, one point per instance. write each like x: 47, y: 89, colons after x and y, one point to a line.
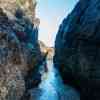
x: 52, y: 88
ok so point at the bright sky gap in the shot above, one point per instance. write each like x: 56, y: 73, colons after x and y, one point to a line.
x: 51, y: 13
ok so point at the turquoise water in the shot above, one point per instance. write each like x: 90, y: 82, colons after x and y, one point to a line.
x: 52, y: 88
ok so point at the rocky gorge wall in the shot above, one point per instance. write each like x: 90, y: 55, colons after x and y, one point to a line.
x: 19, y: 49
x: 45, y: 49
x: 77, y: 49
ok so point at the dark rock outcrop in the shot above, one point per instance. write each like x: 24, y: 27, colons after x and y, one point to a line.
x: 19, y: 51
x: 77, y: 49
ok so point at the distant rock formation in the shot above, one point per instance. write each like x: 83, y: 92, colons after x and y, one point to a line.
x: 45, y: 49
x: 19, y: 51
x: 51, y: 53
x: 77, y: 49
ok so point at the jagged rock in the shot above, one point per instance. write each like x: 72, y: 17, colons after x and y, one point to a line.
x: 10, y: 6
x: 18, y: 56
x: 77, y: 49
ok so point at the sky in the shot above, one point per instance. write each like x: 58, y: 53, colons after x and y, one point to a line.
x: 51, y: 13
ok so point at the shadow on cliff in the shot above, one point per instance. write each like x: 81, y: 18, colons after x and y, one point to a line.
x: 77, y: 49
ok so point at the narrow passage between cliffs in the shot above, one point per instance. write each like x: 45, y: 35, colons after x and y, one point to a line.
x: 52, y: 87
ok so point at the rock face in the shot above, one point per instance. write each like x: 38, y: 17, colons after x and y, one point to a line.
x: 51, y: 53
x: 77, y: 48
x: 44, y: 49
x: 19, y: 51
x: 28, y: 6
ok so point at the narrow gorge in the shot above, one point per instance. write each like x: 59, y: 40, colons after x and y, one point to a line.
x: 32, y: 70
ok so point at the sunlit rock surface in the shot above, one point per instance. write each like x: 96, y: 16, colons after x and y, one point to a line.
x: 77, y: 52
x: 19, y: 50
x: 44, y: 48
x: 28, y: 6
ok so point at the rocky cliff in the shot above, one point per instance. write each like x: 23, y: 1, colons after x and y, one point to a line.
x: 28, y: 6
x: 19, y: 50
x: 77, y: 49
x: 44, y: 49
